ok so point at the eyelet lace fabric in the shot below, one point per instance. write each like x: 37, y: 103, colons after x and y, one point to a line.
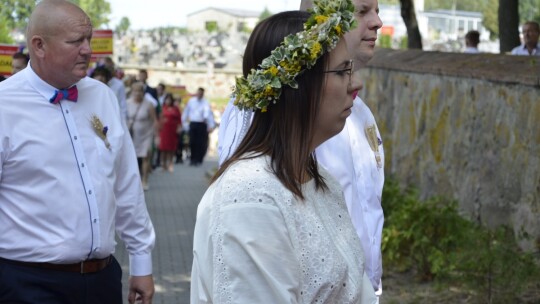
x: 326, y: 249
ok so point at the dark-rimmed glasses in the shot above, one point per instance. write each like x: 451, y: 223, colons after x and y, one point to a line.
x: 348, y: 69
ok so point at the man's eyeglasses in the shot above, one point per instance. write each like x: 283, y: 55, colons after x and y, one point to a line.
x: 349, y: 68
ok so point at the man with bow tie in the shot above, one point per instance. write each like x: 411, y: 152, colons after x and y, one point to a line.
x: 68, y: 175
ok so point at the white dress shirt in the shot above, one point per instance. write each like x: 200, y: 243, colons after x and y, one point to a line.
x: 471, y: 50
x: 349, y: 158
x: 254, y: 242
x: 120, y: 91
x: 232, y: 129
x: 523, y: 51
x: 63, y: 192
x: 198, y: 110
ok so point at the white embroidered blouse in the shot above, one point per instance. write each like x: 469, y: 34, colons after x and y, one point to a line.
x: 255, y: 243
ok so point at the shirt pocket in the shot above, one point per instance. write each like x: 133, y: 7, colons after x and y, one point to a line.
x: 107, y: 154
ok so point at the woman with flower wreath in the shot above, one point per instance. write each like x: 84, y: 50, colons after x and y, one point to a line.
x: 273, y: 226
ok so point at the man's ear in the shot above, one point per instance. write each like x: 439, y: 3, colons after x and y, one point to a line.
x: 38, y: 45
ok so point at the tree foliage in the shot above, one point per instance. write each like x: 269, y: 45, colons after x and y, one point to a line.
x: 123, y: 26
x: 97, y: 10
x: 14, y: 14
x: 490, y: 19
x: 389, y: 2
x: 4, y: 32
x: 265, y: 14
x: 529, y: 10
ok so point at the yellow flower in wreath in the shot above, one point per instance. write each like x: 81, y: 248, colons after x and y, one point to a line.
x: 321, y: 19
x: 338, y: 29
x: 315, y: 50
x: 272, y: 70
x: 268, y: 90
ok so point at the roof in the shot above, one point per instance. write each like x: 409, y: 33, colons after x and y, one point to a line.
x: 230, y: 11
x: 453, y: 13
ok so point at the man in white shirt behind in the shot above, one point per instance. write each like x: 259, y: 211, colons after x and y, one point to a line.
x: 198, y: 117
x: 472, y: 39
x: 530, y: 46
x: 117, y: 85
x: 355, y: 157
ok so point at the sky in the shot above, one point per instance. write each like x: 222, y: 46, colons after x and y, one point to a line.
x: 144, y: 14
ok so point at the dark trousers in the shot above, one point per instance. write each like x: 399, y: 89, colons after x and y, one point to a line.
x: 29, y: 285
x: 140, y: 164
x: 180, y: 147
x: 198, y: 141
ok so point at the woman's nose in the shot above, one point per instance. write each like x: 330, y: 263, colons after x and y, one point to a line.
x: 356, y: 82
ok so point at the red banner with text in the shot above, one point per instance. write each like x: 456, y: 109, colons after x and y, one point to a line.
x: 6, y: 54
x: 102, y: 43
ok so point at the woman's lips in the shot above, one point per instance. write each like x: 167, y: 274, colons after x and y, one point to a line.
x: 370, y: 41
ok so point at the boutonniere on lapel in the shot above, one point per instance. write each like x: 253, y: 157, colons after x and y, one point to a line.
x: 100, y: 130
x: 374, y: 143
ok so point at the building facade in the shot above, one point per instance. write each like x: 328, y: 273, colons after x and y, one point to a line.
x: 230, y: 21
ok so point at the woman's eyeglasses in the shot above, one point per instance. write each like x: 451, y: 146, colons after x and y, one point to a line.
x: 347, y: 70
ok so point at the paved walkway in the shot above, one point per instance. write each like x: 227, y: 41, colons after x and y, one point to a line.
x: 172, y: 203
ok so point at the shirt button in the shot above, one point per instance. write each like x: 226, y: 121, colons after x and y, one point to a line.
x: 89, y: 191
x: 82, y: 165
x: 67, y: 111
x: 95, y: 220
x: 75, y: 137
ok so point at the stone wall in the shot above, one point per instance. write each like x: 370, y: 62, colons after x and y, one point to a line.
x: 465, y: 127
x: 458, y: 125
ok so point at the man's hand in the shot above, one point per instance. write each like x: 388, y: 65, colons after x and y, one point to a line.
x: 141, y: 289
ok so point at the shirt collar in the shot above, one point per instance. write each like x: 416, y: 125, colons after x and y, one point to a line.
x: 536, y: 49
x: 42, y: 87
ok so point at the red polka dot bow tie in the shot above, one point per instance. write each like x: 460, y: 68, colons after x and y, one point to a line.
x: 69, y: 94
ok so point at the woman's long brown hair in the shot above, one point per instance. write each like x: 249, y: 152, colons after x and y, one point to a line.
x: 285, y: 131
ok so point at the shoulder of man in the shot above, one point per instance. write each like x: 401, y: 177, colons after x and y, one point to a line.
x: 12, y: 83
x: 517, y: 49
x: 91, y: 84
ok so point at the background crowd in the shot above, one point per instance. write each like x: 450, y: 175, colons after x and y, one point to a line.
x: 164, y: 128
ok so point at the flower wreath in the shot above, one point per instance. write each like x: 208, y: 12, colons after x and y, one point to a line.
x: 329, y: 20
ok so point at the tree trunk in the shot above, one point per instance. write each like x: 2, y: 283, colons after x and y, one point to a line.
x: 409, y: 17
x: 508, y: 25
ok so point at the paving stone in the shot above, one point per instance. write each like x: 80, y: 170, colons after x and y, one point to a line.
x: 172, y: 203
